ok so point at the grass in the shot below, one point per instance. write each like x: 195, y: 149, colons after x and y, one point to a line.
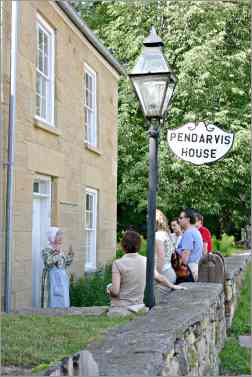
x: 235, y: 359
x: 37, y: 341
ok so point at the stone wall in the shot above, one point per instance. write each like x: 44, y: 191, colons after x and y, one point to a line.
x: 181, y: 336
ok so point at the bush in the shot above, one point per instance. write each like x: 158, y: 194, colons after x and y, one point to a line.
x: 215, y: 243
x: 90, y: 290
x: 225, y: 245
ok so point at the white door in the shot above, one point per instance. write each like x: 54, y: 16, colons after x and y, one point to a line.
x: 41, y: 220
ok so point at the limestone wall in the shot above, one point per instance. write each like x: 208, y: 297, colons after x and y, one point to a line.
x: 181, y: 336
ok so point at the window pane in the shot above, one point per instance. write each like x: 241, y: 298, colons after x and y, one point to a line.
x: 43, y: 97
x: 37, y: 105
x: 90, y: 102
x: 40, y: 60
x: 88, y: 207
x: 88, y: 78
x: 86, y: 97
x: 40, y: 39
x: 90, y: 229
x: 86, y: 115
x: 36, y: 187
x: 38, y: 95
x: 46, y: 65
x: 48, y: 102
x: 88, y: 219
x: 88, y: 247
x: 43, y: 187
x: 46, y: 43
x: 44, y: 84
x: 90, y: 109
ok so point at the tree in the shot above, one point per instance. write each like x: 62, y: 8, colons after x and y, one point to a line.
x: 208, y: 46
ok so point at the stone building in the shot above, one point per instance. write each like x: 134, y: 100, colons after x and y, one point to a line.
x: 65, y: 142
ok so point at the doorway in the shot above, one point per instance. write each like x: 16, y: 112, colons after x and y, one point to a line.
x: 41, y: 220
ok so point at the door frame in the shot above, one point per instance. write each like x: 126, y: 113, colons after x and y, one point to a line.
x: 41, y: 196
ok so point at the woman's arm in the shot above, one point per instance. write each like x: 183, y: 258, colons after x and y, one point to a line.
x: 160, y: 252
x: 114, y: 291
x: 164, y: 281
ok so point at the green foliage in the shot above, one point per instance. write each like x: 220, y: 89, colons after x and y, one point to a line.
x: 241, y: 324
x: 37, y: 341
x: 208, y: 45
x: 215, y: 243
x: 90, y: 290
x: 39, y: 368
x: 235, y: 360
x: 143, y: 249
x: 226, y: 245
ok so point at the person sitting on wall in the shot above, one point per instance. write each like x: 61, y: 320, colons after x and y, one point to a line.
x: 54, y: 275
x: 190, y: 248
x: 129, y: 277
x: 205, y: 233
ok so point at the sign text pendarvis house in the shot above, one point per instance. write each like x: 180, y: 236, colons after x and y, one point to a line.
x: 199, y: 143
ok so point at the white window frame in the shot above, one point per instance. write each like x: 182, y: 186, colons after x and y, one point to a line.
x: 48, y: 181
x: 90, y: 254
x: 90, y: 130
x: 49, y: 119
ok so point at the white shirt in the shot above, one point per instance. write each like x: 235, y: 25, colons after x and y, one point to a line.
x: 165, y: 238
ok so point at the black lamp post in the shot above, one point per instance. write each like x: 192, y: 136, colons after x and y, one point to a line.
x: 154, y: 84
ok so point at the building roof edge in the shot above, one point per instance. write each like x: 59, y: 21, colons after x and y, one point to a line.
x: 89, y: 34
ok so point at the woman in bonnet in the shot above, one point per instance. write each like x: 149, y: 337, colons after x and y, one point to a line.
x: 54, y: 273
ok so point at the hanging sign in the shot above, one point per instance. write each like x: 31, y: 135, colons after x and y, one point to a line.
x: 199, y: 143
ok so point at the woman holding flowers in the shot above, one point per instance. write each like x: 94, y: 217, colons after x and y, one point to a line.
x: 54, y: 274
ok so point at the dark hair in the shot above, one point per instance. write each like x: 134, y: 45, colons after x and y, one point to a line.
x: 190, y: 213
x: 175, y: 219
x: 199, y: 217
x: 131, y: 241
x: 131, y: 227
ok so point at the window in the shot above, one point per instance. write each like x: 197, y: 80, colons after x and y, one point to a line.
x: 90, y: 107
x: 45, y: 72
x: 90, y: 229
x: 42, y: 186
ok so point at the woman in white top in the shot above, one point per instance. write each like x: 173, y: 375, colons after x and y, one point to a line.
x: 164, y: 246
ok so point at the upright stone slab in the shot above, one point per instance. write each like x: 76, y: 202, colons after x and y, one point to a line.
x: 211, y: 269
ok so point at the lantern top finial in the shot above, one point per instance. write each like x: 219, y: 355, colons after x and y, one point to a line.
x: 153, y: 39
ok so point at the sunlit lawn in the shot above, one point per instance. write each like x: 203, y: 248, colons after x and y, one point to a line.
x: 33, y: 340
x: 235, y: 359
